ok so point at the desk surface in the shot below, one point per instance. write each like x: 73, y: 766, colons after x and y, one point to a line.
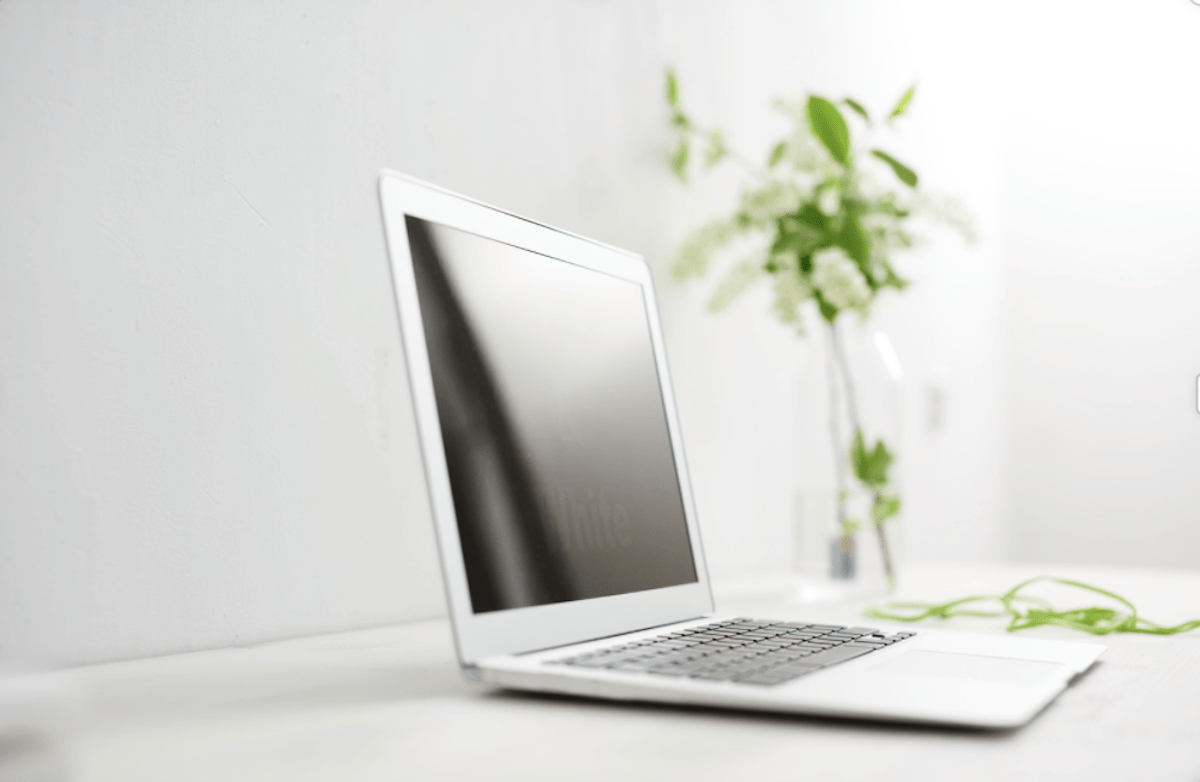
x: 390, y: 704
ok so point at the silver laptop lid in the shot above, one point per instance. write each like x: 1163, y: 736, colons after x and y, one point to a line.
x: 548, y: 430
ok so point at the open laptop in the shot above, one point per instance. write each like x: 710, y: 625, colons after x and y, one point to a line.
x: 567, y: 532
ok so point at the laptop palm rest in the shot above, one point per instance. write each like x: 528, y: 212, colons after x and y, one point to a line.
x: 972, y: 667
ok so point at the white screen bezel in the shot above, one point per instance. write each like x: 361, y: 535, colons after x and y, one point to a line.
x: 537, y: 627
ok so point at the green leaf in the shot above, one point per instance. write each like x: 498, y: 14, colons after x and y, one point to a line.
x: 906, y: 174
x: 716, y: 149
x: 902, y: 104
x: 679, y: 160
x: 777, y: 154
x: 870, y: 466
x: 672, y: 88
x: 829, y: 127
x: 858, y: 453
x: 884, y: 507
x: 879, y: 462
x: 858, y: 108
x: 810, y: 214
x: 853, y: 239
x: 795, y: 237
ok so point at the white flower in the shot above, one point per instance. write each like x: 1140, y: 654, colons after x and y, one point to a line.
x: 763, y: 206
x: 829, y: 202
x: 791, y: 290
x: 839, y: 280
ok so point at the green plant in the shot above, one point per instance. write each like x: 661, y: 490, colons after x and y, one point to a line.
x: 822, y: 218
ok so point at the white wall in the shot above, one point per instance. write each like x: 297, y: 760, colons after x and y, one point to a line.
x: 1101, y: 203
x: 205, y: 435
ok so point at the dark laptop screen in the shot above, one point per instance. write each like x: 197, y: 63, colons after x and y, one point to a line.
x: 552, y: 416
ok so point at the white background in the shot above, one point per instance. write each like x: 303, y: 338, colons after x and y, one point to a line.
x: 205, y: 435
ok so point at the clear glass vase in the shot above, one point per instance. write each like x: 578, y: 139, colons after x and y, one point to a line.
x: 851, y: 379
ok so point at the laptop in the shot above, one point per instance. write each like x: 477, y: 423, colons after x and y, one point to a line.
x: 568, y: 536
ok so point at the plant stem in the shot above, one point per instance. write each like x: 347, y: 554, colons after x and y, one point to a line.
x: 699, y: 133
x: 852, y: 413
x: 885, y: 550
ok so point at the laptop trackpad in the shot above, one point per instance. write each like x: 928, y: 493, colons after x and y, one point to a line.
x: 946, y: 665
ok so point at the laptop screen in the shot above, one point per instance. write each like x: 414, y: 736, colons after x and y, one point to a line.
x: 552, y: 417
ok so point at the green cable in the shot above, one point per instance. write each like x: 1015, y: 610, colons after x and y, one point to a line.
x: 1037, y: 612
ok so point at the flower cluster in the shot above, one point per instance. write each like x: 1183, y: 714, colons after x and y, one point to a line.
x: 839, y: 281
x: 824, y: 214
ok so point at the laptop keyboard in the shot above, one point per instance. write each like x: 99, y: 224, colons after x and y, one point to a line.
x: 746, y: 651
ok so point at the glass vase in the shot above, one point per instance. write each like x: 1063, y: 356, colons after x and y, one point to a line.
x: 851, y: 380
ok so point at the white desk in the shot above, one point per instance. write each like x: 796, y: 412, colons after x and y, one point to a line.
x: 389, y: 704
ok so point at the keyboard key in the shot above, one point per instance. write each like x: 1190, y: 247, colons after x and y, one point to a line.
x: 800, y: 654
